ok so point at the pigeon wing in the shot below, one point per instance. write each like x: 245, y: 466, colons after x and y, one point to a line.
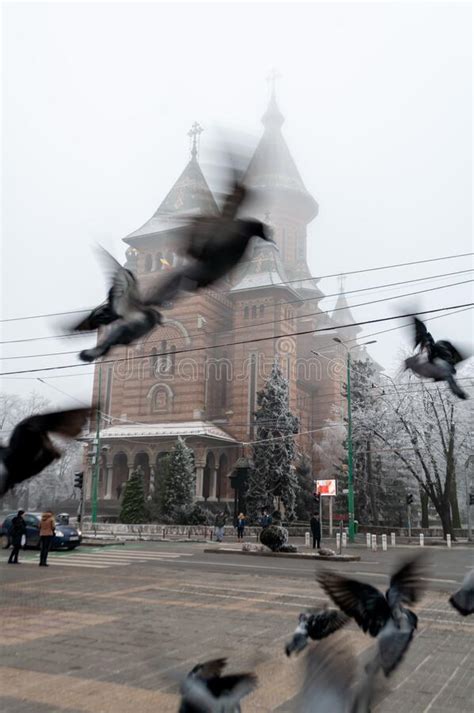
x: 101, y: 315
x: 362, y: 602
x: 422, y: 337
x: 124, y: 292
x: 235, y: 686
x: 448, y: 352
x: 329, y: 674
x: 211, y: 668
x: 67, y: 423
x: 331, y: 621
x: 406, y: 585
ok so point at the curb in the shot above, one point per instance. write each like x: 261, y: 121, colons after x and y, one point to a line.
x: 290, y: 555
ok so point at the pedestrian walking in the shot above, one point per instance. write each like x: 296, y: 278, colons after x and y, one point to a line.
x: 265, y: 520
x: 47, y: 533
x: 241, y: 526
x: 219, y: 525
x: 18, y: 532
x: 315, y: 525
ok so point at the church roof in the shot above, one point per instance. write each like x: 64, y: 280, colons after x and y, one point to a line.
x: 272, y: 165
x: 342, y: 315
x: 190, y: 196
x: 166, y: 430
x: 264, y: 269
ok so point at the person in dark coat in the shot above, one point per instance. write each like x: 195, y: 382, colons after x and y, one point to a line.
x: 17, y: 532
x: 265, y: 520
x: 240, y: 526
x: 316, y: 530
x: 219, y: 525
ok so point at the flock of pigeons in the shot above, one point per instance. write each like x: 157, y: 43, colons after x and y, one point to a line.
x: 333, y: 681
x: 215, y: 245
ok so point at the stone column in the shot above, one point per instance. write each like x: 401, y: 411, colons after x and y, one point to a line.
x: 213, y: 486
x: 88, y: 485
x: 108, y: 482
x: 199, y: 482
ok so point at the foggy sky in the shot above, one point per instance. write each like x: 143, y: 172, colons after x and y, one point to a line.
x: 98, y: 99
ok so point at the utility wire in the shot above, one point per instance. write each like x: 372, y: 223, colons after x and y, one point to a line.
x: 243, y: 341
x: 270, y: 322
x: 374, y: 288
x: 322, y: 277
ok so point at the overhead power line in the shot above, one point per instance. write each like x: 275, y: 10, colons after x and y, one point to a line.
x: 287, y: 282
x: 269, y: 322
x: 375, y: 288
x: 252, y: 340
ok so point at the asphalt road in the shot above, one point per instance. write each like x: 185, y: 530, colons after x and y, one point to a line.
x: 109, y: 629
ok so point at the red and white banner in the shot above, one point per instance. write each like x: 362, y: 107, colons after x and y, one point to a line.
x: 326, y: 487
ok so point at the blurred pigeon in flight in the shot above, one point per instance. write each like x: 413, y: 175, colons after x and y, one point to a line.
x: 125, y: 306
x: 435, y: 360
x: 206, y: 690
x: 30, y: 449
x: 215, y: 245
x: 332, y: 682
x: 463, y: 599
x: 315, y: 625
x: 383, y: 617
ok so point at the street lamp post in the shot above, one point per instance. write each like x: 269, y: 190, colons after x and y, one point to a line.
x: 350, y: 474
x: 95, y: 473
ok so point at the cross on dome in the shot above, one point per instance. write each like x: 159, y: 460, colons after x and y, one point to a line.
x: 194, y: 132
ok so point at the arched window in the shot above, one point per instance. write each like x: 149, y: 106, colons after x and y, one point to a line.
x: 261, y: 310
x: 254, y: 312
x: 246, y: 312
x: 158, y: 264
x: 161, y: 398
x: 148, y: 263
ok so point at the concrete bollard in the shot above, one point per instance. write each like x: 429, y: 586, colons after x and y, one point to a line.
x: 448, y: 540
x: 368, y: 540
x: 344, y: 539
x: 392, y: 539
x: 384, y: 543
x: 374, y: 543
x: 338, y: 541
x: 422, y: 540
x: 306, y: 539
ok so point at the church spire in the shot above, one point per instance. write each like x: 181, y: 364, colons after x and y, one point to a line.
x: 273, y: 118
x: 194, y: 132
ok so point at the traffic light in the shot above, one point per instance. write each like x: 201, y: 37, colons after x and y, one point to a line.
x: 316, y: 498
x: 79, y: 480
x: 409, y: 499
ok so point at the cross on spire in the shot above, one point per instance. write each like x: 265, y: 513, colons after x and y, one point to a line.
x: 342, y: 282
x: 272, y: 77
x: 194, y: 133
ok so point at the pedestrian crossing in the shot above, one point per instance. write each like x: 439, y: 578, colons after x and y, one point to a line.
x: 104, y: 558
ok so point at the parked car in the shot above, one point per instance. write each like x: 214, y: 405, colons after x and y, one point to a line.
x: 66, y: 537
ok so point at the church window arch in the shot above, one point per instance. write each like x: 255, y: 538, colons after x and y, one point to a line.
x: 160, y: 397
x: 254, y: 311
x: 153, y: 358
x: 246, y: 312
x: 261, y: 310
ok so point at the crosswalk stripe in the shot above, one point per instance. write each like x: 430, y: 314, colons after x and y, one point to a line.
x: 68, y: 564
x: 138, y: 554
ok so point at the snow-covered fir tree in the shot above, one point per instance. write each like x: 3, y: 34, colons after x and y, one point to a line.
x: 179, y: 479
x: 272, y: 479
x: 133, y: 510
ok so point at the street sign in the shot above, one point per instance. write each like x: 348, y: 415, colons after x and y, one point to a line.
x: 326, y: 488
x: 345, y: 491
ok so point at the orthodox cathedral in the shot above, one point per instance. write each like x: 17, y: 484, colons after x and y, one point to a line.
x: 197, y: 375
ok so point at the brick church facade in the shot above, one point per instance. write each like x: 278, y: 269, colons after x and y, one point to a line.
x: 197, y: 375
